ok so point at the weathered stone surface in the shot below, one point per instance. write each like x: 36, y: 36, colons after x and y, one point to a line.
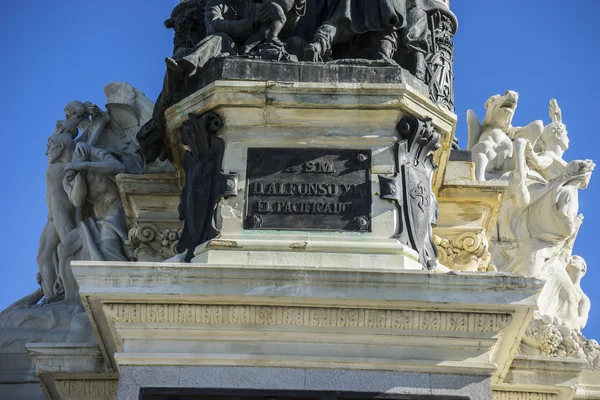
x: 260, y: 70
x: 134, y: 378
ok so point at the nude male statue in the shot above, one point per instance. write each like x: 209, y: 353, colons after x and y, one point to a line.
x: 61, y: 213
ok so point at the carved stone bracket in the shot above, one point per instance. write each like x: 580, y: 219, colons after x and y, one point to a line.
x: 466, y: 252
x: 410, y: 188
x: 150, y: 243
x: 205, y: 183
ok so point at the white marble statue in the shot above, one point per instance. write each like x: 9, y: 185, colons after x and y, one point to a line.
x: 539, y: 216
x: 85, y: 221
x: 562, y: 297
x: 102, y: 235
x: 81, y: 193
x: 62, y: 217
x: 491, y: 142
x: 546, y: 158
x: 115, y: 130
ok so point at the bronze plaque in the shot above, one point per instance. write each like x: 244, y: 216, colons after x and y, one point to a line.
x: 308, y: 189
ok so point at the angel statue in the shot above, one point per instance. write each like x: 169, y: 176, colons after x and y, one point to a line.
x: 84, y: 205
x: 128, y: 109
x: 101, y: 235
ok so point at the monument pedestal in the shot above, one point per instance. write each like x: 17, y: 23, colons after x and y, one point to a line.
x: 291, y: 298
x: 181, y: 321
x: 279, y: 117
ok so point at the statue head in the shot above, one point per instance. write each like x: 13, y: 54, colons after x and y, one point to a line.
x: 553, y: 134
x: 579, y: 172
x: 76, y: 111
x: 500, y: 110
x: 58, y: 145
x: 576, y: 268
x: 68, y: 127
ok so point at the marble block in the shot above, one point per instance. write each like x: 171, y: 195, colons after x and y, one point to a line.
x: 309, y: 115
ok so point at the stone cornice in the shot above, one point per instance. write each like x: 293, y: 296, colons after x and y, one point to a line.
x: 307, y: 316
x: 506, y: 395
x: 83, y: 388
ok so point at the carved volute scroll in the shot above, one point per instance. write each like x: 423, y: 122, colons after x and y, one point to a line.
x: 205, y: 183
x: 410, y: 188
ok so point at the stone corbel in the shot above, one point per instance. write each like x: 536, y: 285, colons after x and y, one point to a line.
x: 468, y: 251
x: 150, y: 243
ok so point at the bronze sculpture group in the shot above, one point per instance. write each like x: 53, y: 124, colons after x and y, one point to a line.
x: 393, y: 33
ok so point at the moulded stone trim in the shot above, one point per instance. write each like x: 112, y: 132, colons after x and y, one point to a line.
x: 502, y: 395
x: 307, y: 316
x: 87, y: 388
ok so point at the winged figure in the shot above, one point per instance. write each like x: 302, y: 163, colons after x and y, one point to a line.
x: 127, y: 110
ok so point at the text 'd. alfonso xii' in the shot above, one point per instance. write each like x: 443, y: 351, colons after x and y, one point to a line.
x: 308, y: 189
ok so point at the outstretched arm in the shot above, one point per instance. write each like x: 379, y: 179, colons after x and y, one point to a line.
x: 107, y: 164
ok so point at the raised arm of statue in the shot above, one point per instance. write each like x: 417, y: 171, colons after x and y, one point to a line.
x: 537, y: 161
x: 99, y: 121
x: 98, y: 161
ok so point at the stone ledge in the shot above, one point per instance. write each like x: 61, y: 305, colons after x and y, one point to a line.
x: 288, y: 316
x: 558, y: 377
x: 236, y: 68
x: 72, y: 371
x: 324, y: 286
x: 384, y: 320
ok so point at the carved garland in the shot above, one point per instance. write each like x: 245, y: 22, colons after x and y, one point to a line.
x: 307, y: 316
x: 547, y: 339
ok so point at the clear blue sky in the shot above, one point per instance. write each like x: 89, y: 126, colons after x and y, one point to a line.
x: 58, y: 51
